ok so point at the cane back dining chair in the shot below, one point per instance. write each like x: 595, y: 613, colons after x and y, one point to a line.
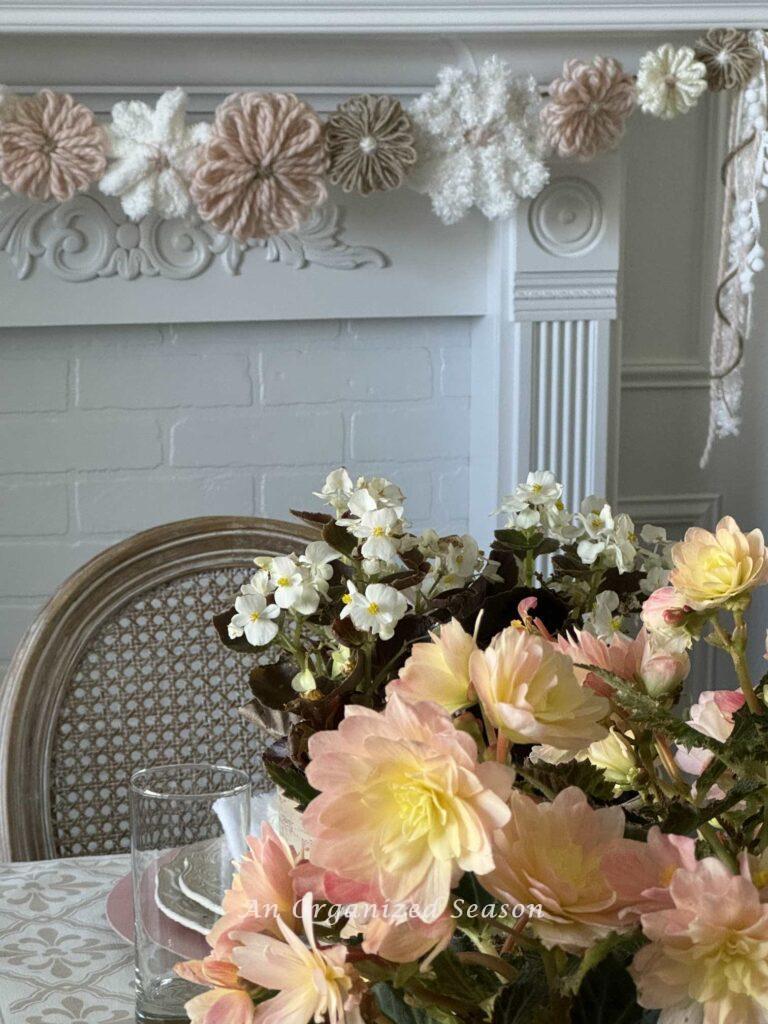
x: 123, y: 668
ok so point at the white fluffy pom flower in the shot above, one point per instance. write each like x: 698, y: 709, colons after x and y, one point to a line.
x: 153, y: 156
x: 670, y: 81
x: 480, y: 141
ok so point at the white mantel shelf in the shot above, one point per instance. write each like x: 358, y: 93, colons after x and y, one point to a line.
x: 446, y: 17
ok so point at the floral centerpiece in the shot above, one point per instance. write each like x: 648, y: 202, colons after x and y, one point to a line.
x: 508, y: 814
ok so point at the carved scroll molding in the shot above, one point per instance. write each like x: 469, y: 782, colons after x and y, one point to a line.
x: 89, y: 237
x: 550, y: 346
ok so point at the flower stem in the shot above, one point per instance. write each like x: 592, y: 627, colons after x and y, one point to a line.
x: 708, y: 832
x: 738, y: 657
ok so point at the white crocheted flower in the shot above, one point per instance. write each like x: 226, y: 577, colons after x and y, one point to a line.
x: 480, y: 142
x: 670, y: 81
x: 154, y: 154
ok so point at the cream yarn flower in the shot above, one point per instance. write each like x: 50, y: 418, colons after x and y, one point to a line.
x: 154, y: 154
x: 670, y: 81
x: 480, y: 141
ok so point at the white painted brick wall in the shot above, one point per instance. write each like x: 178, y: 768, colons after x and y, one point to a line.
x: 108, y: 431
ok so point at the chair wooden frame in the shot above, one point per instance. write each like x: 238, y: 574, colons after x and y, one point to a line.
x: 48, y: 654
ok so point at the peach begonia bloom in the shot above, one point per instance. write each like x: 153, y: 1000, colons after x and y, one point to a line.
x: 388, y: 931
x: 438, y: 670
x: 228, y: 1000
x: 711, y: 569
x: 312, y: 984
x: 621, y: 657
x: 261, y: 890
x: 404, y: 805
x: 641, y: 873
x: 530, y: 693
x: 707, y: 961
x: 711, y: 715
x: 551, y: 854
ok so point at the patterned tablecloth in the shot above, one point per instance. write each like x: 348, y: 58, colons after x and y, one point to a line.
x: 60, y: 962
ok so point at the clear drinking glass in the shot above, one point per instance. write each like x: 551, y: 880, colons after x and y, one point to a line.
x: 188, y: 823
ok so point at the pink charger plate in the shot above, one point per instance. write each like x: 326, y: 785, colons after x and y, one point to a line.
x: 184, y: 941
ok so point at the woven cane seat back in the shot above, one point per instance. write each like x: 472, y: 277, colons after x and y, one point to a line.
x: 155, y: 687
x: 123, y: 669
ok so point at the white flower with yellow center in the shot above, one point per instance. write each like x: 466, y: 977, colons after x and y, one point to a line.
x: 540, y: 488
x: 292, y: 587
x: 255, y: 619
x: 376, y: 611
x: 259, y: 583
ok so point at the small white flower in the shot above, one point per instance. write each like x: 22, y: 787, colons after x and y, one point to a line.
x: 376, y: 611
x: 653, y: 534
x: 259, y: 583
x: 670, y: 81
x: 153, y: 153
x: 540, y: 488
x: 336, y: 490
x: 317, y: 558
x: 254, y: 618
x: 383, y: 491
x: 602, y: 620
x: 341, y: 662
x: 380, y: 529
x: 292, y: 587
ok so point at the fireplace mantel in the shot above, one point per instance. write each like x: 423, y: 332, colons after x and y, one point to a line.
x: 371, y: 16
x: 543, y: 289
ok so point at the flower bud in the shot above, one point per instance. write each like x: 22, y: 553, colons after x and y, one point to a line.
x: 663, y: 669
x: 664, y: 614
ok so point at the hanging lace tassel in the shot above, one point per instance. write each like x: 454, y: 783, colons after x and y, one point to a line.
x: 745, y: 178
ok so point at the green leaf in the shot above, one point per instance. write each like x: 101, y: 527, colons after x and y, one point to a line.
x: 313, y: 518
x: 524, y: 1001
x: 607, y: 996
x: 393, y: 1005
x: 612, y: 945
x: 292, y: 782
x: 557, y: 777
x: 464, y: 983
x: 341, y: 540
x: 271, y: 684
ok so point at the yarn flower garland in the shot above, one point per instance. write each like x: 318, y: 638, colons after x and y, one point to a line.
x: 670, y: 81
x: 262, y: 170
x: 50, y: 147
x: 370, y: 143
x: 154, y: 156
x: 480, y: 141
x: 588, y: 108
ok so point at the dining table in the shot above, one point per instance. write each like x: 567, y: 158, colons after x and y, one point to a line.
x: 60, y: 961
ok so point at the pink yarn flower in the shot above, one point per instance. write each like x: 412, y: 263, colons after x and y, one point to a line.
x: 261, y: 171
x: 51, y: 147
x: 588, y: 107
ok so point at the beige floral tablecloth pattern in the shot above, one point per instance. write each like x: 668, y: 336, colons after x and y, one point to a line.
x: 60, y: 962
